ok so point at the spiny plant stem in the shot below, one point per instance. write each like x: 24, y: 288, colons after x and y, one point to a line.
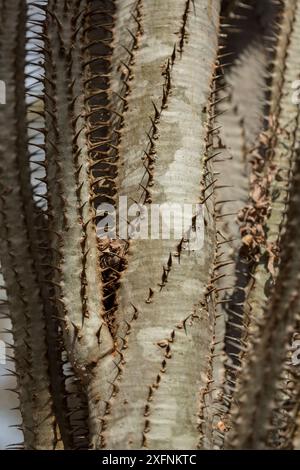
x: 19, y: 241
x: 254, y: 391
x: 154, y: 326
x: 75, y: 275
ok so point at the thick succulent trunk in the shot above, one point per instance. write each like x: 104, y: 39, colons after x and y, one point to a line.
x: 163, y: 322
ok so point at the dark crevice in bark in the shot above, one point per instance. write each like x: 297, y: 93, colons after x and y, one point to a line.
x: 105, y: 120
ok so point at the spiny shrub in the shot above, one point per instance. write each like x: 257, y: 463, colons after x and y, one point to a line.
x: 133, y: 342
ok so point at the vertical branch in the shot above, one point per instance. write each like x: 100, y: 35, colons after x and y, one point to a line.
x: 274, y: 303
x: 245, y: 54
x: 19, y: 240
x: 161, y: 160
x: 75, y: 271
